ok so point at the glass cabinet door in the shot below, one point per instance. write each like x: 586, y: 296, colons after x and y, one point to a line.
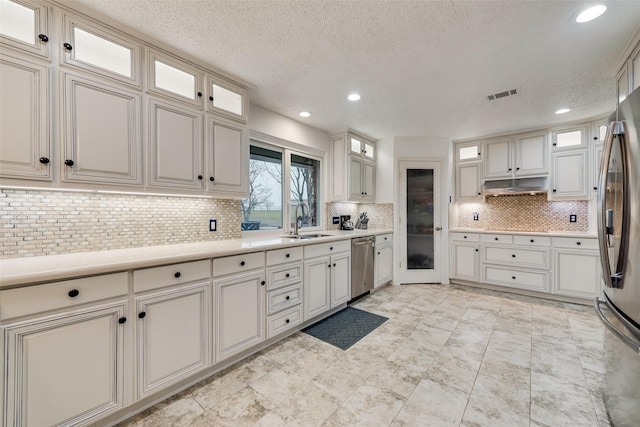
x: 227, y: 99
x: 24, y: 25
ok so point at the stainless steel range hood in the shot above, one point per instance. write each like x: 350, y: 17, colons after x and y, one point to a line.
x: 516, y: 186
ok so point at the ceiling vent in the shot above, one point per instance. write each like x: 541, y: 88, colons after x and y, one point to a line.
x: 503, y: 94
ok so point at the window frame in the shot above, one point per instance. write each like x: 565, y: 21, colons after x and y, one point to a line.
x: 288, y: 148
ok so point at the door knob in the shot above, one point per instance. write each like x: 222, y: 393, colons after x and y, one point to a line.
x: 438, y: 228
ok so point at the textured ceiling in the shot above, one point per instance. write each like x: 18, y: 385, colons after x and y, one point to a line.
x: 423, y: 68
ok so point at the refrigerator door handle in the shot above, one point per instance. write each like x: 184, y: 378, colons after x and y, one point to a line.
x: 635, y: 345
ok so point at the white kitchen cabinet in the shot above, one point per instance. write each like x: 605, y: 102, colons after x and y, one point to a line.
x: 25, y: 139
x: 622, y: 84
x: 175, y: 146
x: 239, y: 312
x: 468, y: 152
x: 227, y: 99
x: 26, y: 27
x: 227, y: 158
x: 284, y: 289
x: 469, y: 182
x: 521, y: 155
x: 354, y: 168
x: 465, y: 256
x: 574, y: 137
x: 100, y: 49
x: 102, y: 139
x: 317, y: 276
x: 173, y: 335
x: 570, y: 176
x: 340, y: 278
x: 66, y: 368
x: 577, y: 273
x: 595, y: 168
x: 383, y: 260
x: 171, y: 77
x: 634, y: 72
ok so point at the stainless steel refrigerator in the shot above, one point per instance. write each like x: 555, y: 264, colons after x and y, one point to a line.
x: 619, y: 237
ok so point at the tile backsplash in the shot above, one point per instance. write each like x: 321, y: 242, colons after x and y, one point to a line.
x: 380, y: 214
x: 524, y: 213
x: 36, y: 223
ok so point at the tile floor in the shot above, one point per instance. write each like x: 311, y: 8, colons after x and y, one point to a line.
x: 447, y: 356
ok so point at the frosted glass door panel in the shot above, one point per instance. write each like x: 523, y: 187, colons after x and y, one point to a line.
x: 18, y: 22
x: 569, y: 139
x: 174, y: 80
x: 420, y: 247
x: 468, y: 153
x: 369, y: 151
x: 102, y: 53
x: 356, y: 146
x: 226, y: 99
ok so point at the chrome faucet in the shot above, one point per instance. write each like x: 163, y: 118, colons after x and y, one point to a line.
x: 299, y: 217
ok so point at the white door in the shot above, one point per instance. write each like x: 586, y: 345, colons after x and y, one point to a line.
x: 316, y: 287
x: 340, y: 279
x: 420, y: 192
x: 227, y: 158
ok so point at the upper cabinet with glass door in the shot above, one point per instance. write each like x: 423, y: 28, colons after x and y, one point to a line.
x: 24, y: 25
x: 468, y: 152
x: 174, y: 78
x: 362, y: 147
x: 101, y: 50
x: 570, y: 138
x: 227, y: 99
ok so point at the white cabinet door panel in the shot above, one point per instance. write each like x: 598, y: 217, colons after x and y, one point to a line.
x: 316, y: 287
x: 498, y: 159
x: 531, y: 155
x: 570, y: 176
x: 384, y: 265
x: 465, y: 261
x: 355, y: 179
x: 340, y: 279
x: 468, y: 181
x: 577, y: 274
x: 227, y: 158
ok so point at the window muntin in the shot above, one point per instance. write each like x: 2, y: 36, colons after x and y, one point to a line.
x: 18, y: 22
x: 100, y: 52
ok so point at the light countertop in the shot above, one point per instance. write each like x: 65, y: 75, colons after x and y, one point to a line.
x: 550, y: 233
x: 19, y: 271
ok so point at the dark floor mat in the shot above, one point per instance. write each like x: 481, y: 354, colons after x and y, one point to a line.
x: 346, y: 327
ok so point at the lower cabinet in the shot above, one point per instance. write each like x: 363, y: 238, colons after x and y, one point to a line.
x: 239, y: 313
x: 465, y: 261
x: 340, y: 278
x: 173, y: 335
x: 65, y: 369
x: 316, y: 286
x: 383, y: 273
x: 577, y: 274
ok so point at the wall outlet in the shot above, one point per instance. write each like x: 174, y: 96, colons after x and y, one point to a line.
x: 476, y: 217
x: 573, y: 218
x: 335, y: 220
x: 213, y: 225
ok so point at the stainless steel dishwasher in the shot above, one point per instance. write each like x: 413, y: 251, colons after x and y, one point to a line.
x: 361, y: 265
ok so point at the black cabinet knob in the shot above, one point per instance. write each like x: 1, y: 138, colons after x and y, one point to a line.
x: 288, y: 297
x: 465, y: 237
x: 477, y: 250
x: 532, y: 240
x: 286, y: 321
x: 177, y: 274
x: 69, y: 162
x: 510, y: 169
x: 554, y: 144
x: 513, y: 277
x: 378, y: 253
x: 595, y: 138
x: 67, y: 46
x: 142, y: 315
x: 263, y: 282
x: 479, y: 194
x: 331, y: 248
x: 517, y: 169
x: 365, y: 193
x: 578, y: 243
x: 43, y: 38
x: 122, y: 320
x: 200, y: 177
x: 595, y: 188
x: 495, y: 238
x: 199, y: 94
x: 554, y: 190
x: 334, y: 264
x: 286, y: 275
x: 242, y: 263
x: 211, y: 179
x: 513, y: 256
x: 74, y: 293
x: 44, y: 160
x: 329, y: 265
x: 385, y: 238
x: 287, y: 255
x: 211, y: 98
x: 362, y: 193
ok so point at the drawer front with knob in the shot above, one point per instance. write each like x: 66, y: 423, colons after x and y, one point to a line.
x: 541, y: 241
x: 535, y: 281
x: 534, y: 258
x: 51, y: 296
x: 329, y: 248
x: 284, y: 275
x: 465, y: 237
x: 284, y: 298
x: 280, y: 256
x: 237, y: 263
x: 384, y: 238
x: 167, y: 275
x: 497, y: 238
x: 283, y: 321
x: 575, y: 243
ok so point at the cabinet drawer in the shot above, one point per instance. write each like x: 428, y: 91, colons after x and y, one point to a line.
x: 535, y: 258
x: 167, y: 275
x: 543, y: 241
x: 465, y: 237
x: 322, y: 249
x: 237, y: 263
x: 517, y: 279
x: 496, y: 238
x: 284, y: 275
x: 281, y: 322
x: 384, y: 239
x: 280, y: 256
x: 51, y: 296
x: 284, y: 298
x: 575, y: 243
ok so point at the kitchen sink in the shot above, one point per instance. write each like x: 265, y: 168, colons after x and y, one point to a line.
x: 306, y: 236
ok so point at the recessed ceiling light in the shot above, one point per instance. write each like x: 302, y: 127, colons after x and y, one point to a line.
x: 353, y: 97
x: 305, y: 114
x: 591, y: 13
x: 563, y: 110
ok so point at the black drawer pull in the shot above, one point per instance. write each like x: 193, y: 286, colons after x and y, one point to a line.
x: 477, y: 250
x: 242, y: 263
x: 287, y: 256
x: 513, y: 277
x: 263, y: 282
x: 122, y: 320
x: 177, y: 274
x: 287, y: 275
x: 68, y: 162
x: 465, y: 237
x: 532, y: 240
x: 513, y: 256
x: 74, y: 293
x: 67, y: 46
x: 44, y: 160
x: 286, y: 321
x: 578, y: 243
x: 43, y: 38
x: 288, y: 297
x: 331, y: 248
x: 142, y: 315
x: 495, y: 238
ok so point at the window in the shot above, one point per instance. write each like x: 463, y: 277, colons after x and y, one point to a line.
x: 273, y: 173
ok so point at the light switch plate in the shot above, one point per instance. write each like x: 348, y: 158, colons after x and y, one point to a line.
x: 573, y: 218
x: 213, y: 225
